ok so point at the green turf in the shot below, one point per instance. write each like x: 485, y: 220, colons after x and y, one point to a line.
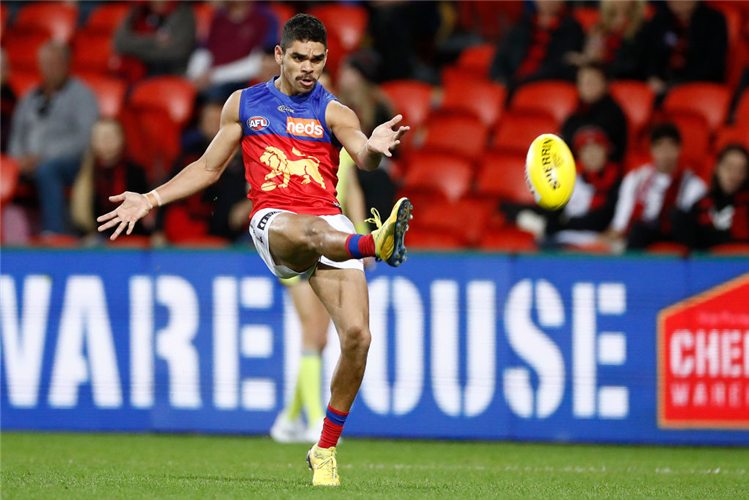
x: 52, y: 466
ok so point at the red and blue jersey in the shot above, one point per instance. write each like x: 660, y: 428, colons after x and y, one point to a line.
x: 290, y: 154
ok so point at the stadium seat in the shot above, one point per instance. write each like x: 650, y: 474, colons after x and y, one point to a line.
x: 738, y: 134
x: 558, y: 99
x: 93, y: 52
x: 174, y: 94
x: 58, y: 19
x: 109, y: 92
x: 595, y: 247
x: 465, y: 219
x: 133, y: 241
x: 107, y: 17
x: 457, y: 135
x: 55, y: 241
x: 742, y: 110
x: 204, y: 241
x: 411, y: 98
x: 517, y: 130
x: 283, y: 12
x: 636, y: 99
x: 477, y: 59
x: 23, y: 49
x: 418, y: 239
x: 203, y: 13
x: 8, y: 178
x: 508, y: 240
x: 587, y: 17
x: 446, y: 175
x: 709, y: 100
x: 731, y: 249
x: 23, y: 82
x: 695, y: 137
x: 483, y: 100
x: 503, y: 177
x: 345, y: 21
x: 668, y: 248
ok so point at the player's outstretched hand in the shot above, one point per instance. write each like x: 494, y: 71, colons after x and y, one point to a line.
x: 134, y: 207
x: 385, y: 137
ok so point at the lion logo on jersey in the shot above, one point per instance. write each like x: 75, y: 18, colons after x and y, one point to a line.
x: 307, y: 167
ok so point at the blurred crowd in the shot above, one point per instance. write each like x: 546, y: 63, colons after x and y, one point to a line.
x: 103, y: 97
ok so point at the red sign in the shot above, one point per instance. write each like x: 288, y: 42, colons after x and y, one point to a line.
x: 703, y: 359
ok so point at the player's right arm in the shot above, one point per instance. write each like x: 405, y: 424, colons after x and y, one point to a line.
x: 193, y: 178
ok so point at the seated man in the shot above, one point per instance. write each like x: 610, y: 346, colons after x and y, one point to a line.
x: 652, y: 195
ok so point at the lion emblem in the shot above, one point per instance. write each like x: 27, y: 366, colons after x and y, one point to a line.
x: 279, y: 164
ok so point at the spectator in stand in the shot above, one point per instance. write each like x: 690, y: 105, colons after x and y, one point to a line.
x: 160, y: 34
x: 7, y: 101
x: 597, y: 107
x: 722, y: 216
x: 234, y: 48
x: 222, y: 210
x: 617, y: 40
x: 539, y: 47
x: 357, y: 89
x: 653, y: 196
x: 50, y: 131
x: 686, y: 41
x: 105, y: 170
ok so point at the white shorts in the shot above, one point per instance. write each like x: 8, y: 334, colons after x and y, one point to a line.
x: 261, y: 222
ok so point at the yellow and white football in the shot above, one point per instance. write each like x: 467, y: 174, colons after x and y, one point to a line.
x: 550, y: 171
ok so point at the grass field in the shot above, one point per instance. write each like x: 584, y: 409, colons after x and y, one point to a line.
x: 52, y: 466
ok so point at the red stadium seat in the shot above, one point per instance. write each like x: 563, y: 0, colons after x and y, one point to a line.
x: 94, y: 52
x: 517, y: 130
x: 174, y: 94
x: 738, y: 134
x: 8, y: 178
x: 483, y: 100
x: 109, y: 92
x: 636, y: 99
x: 509, y: 240
x: 503, y: 177
x: 731, y: 249
x: 477, y: 59
x: 106, y: 18
x: 22, y: 82
x: 203, y: 13
x: 742, y: 110
x: 204, y: 241
x: 347, y: 22
x: 587, y: 17
x: 669, y: 248
x: 133, y: 241
x: 457, y: 135
x: 56, y: 18
x: 411, y: 98
x: 709, y: 100
x: 23, y: 50
x: 432, y: 240
x: 555, y: 98
x: 445, y: 175
x: 283, y: 13
x: 695, y: 137
x: 55, y: 241
x: 465, y: 219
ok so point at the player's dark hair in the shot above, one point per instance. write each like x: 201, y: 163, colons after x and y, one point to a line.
x: 303, y: 28
x: 665, y: 131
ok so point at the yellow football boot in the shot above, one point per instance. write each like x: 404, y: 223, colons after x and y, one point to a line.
x: 389, y: 235
x: 322, y: 463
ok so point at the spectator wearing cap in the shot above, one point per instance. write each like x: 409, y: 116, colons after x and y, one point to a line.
x: 539, y: 47
x: 597, y: 107
x: 50, y: 132
x: 722, y: 216
x: 686, y: 41
x: 591, y: 207
x: 233, y: 50
x: 357, y: 89
x: 160, y: 34
x: 652, y: 196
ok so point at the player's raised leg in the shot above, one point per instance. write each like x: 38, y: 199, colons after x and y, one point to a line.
x: 345, y: 296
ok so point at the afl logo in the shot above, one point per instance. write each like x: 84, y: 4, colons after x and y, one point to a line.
x: 258, y: 123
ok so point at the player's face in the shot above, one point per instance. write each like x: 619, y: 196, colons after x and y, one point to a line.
x: 302, y: 64
x: 732, y: 172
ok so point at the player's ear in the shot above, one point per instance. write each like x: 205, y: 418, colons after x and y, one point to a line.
x: 278, y: 54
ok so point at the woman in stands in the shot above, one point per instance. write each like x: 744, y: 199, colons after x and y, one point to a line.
x: 722, y: 216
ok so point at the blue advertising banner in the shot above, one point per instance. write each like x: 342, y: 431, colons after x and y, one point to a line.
x: 562, y: 348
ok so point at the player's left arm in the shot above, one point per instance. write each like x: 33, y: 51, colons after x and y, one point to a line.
x: 366, y: 152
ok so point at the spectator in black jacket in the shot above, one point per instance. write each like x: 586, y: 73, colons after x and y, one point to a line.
x: 539, y: 47
x: 597, y: 107
x: 687, y: 41
x: 722, y: 216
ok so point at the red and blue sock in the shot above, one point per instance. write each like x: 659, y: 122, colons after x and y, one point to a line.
x: 332, y: 427
x: 359, y: 246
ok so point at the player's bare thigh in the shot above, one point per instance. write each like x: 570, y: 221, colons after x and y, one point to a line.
x: 345, y: 295
x: 294, y: 240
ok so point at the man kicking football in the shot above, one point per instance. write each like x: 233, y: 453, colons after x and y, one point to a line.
x: 291, y: 130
